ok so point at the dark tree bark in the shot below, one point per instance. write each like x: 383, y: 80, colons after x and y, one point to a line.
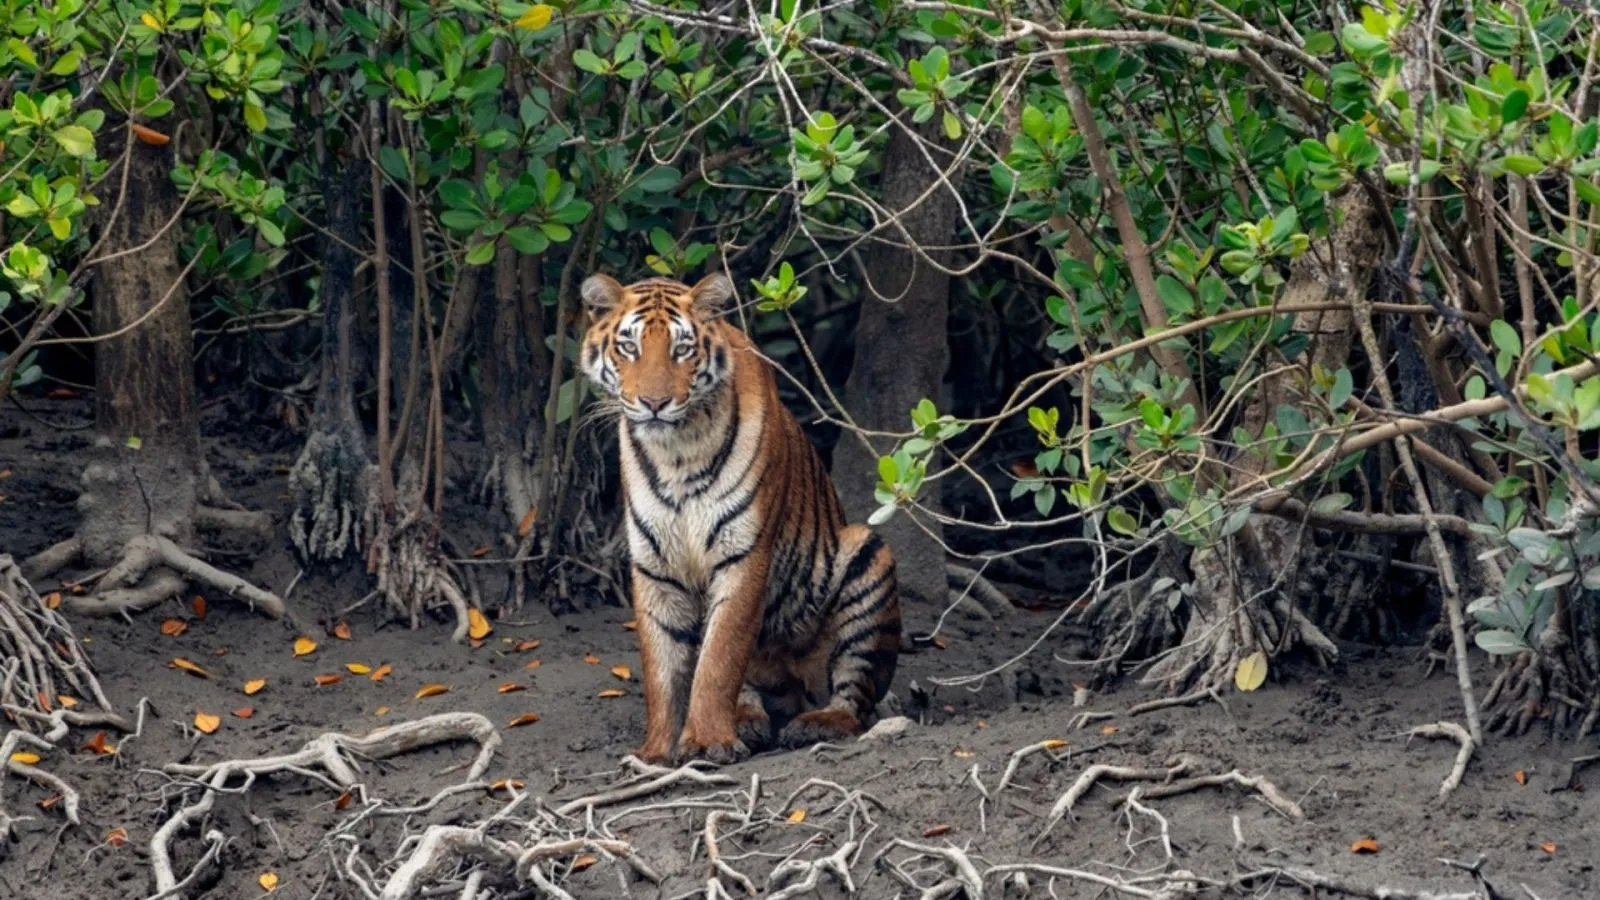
x: 901, y: 352
x: 513, y: 368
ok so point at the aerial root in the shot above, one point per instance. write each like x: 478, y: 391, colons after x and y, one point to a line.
x: 131, y: 585
x: 330, y: 753
x: 413, y: 576
x: 43, y: 658
x: 1454, y: 732
x: 70, y: 801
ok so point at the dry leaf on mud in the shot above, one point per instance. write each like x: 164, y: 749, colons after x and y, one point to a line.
x: 1251, y: 673
x: 796, y: 817
x: 381, y: 711
x: 478, y: 627
x: 358, y: 668
x: 965, y: 754
x: 52, y: 600
x: 936, y: 830
x: 480, y: 552
x: 583, y: 862
x: 533, y: 664
x: 431, y: 690
x: 44, y: 702
x: 1109, y: 729
x: 527, y: 645
x: 68, y: 702
x: 344, y: 801
x: 179, y: 662
x: 98, y: 744
x: 303, y: 646
x: 524, y: 719
x: 511, y: 687
x: 608, y: 693
x: 26, y: 759
x: 526, y: 525
x: 1520, y: 776
x: 268, y: 881
x: 254, y: 686
x: 507, y: 783
x: 207, y: 723
x: 198, y: 604
x: 325, y: 680
x: 941, y: 643
x: 1053, y: 744
x: 50, y: 801
x: 382, y: 672
x: 592, y: 660
x: 174, y: 627
x: 1365, y: 845
x: 342, y: 631
x: 244, y: 712
x: 622, y: 672
x: 1548, y: 847
x: 116, y: 837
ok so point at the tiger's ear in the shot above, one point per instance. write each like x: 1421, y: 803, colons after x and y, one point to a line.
x: 600, y: 293
x: 711, y: 293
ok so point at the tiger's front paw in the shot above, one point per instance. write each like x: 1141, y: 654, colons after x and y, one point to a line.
x: 819, y: 726
x: 655, y: 752
x: 716, y: 746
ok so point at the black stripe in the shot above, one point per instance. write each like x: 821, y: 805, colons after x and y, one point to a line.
x: 861, y: 561
x: 727, y: 518
x: 659, y: 578
x: 651, y: 474
x: 649, y: 536
x: 720, y: 458
x: 877, y: 606
x: 847, y: 645
x: 727, y: 562
x: 688, y: 636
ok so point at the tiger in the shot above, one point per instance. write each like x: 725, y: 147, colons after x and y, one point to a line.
x: 764, y: 620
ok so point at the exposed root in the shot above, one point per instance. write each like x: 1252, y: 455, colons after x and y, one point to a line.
x: 975, y: 593
x: 1318, y: 882
x: 1275, y: 798
x: 442, y: 848
x: 131, y: 584
x: 53, y: 559
x: 1454, y: 732
x: 330, y: 484
x: 8, y: 746
x: 413, y: 575
x: 810, y: 872
x: 253, y: 523
x: 1541, y: 684
x: 43, y: 659
x: 332, y: 754
x: 1212, y: 649
x: 1064, y: 804
x: 646, y: 780
x: 1051, y: 747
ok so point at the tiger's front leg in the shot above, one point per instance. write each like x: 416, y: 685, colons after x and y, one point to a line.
x: 669, y: 633
x: 733, y: 620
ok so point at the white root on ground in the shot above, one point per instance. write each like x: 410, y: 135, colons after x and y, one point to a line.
x: 122, y: 592
x: 1450, y: 731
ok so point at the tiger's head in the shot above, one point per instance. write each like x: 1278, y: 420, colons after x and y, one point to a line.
x: 655, y: 346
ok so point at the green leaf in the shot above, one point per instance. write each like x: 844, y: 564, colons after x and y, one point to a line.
x: 1332, y: 503
x: 586, y: 60
x: 133, y: 442
x: 1121, y: 521
x: 1499, y: 643
x: 480, y: 253
x: 67, y: 64
x: 1522, y: 164
x: 1516, y: 103
x: 557, y: 232
x: 1400, y: 172
x: 255, y: 117
x: 270, y: 231
x: 461, y: 219
x: 888, y: 470
x: 659, y: 179
x: 76, y: 140
x: 1174, y: 296
x: 1343, y: 385
x: 1505, y: 337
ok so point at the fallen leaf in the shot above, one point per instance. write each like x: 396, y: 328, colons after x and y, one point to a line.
x: 622, y: 672
x: 1520, y: 776
x: 527, y: 645
x: 949, y: 709
x: 207, y: 723
x: 303, y: 646
x: 936, y: 830
x: 174, y: 627
x: 475, y: 643
x: 592, y: 660
x: 507, y: 783
x: 1548, y: 847
x: 382, y: 672
x: 612, y: 692
x: 325, y: 680
x: 254, y: 686
x: 268, y: 882
x: 52, y: 600
x: 982, y: 723
x: 796, y: 817
x: 480, y: 552
x: 583, y: 862
x: 524, y: 719
x: 941, y: 643
x: 244, y: 712
x: 511, y: 687
x: 343, y: 801
x: 533, y: 664
x: 68, y: 702
x: 116, y: 837
x: 26, y: 759
x: 44, y: 702
x: 431, y: 690
x: 1053, y: 744
x: 1365, y: 845
x: 61, y: 394
x: 198, y: 604
x: 148, y: 135
x: 50, y: 801
x: 965, y: 754
x: 1109, y: 729
x: 187, y: 666
x: 631, y: 625
x: 1251, y: 673
x: 478, y: 626
x: 526, y: 525
x: 342, y: 631
x: 358, y: 668
x: 381, y: 711
x: 98, y: 744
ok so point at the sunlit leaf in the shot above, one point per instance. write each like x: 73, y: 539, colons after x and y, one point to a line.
x: 206, y: 722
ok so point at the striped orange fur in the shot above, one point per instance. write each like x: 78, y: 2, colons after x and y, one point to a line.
x: 763, y: 617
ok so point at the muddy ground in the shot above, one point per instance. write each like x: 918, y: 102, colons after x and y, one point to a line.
x: 1326, y: 739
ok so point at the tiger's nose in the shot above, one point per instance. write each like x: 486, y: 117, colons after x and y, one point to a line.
x: 655, y: 404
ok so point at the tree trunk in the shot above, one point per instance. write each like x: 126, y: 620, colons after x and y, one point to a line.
x: 512, y: 370
x: 901, y: 351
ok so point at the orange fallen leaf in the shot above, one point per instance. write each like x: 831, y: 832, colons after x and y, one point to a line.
x: 941, y: 643
x: 52, y: 600
x: 480, y: 552
x: 431, y: 690
x: 342, y: 631
x: 254, y: 686
x: 1365, y: 845
x: 381, y: 711
x: 507, y: 783
x: 98, y: 744
x: 936, y: 830
x: 50, y: 801
x: 524, y: 719
x: 525, y: 527
x: 244, y: 712
x: 303, y: 646
x: 116, y: 837
x: 343, y: 801
x: 533, y: 664
x: 796, y: 817
x: 358, y: 668
x: 181, y: 663
x: 325, y: 680
x: 382, y: 672
x: 608, y: 693
x: 527, y: 645
x: 1520, y: 776
x: 478, y: 626
x: 622, y: 672
x: 25, y: 758
x: 148, y: 135
x: 982, y: 723
x: 68, y: 702
x: 44, y: 702
x: 198, y: 604
x: 207, y: 723
x: 268, y: 882
x: 583, y: 862
x: 592, y: 660
x: 1053, y: 744
x: 174, y: 627
x: 1548, y: 847
x: 61, y: 394
x: 965, y: 754
x: 511, y: 687
x: 1109, y: 729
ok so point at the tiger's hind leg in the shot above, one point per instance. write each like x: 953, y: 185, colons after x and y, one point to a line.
x: 855, y: 658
